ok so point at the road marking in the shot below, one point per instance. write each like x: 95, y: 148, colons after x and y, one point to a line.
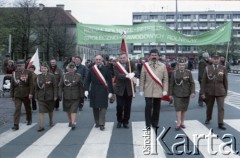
x: 234, y: 123
x: 97, y: 143
x: 46, y: 143
x: 194, y: 129
x: 138, y: 142
x: 9, y: 135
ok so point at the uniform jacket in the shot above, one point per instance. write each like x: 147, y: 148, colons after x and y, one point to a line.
x: 149, y: 86
x: 97, y: 93
x: 181, y: 84
x: 215, y: 81
x: 71, y: 86
x: 122, y: 82
x: 201, y: 67
x: 57, y: 73
x: 45, y: 87
x: 21, y: 84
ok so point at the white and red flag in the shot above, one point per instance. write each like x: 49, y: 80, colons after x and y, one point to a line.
x: 124, y: 48
x: 36, y: 62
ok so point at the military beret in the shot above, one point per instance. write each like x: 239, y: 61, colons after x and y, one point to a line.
x: 20, y: 62
x: 71, y: 65
x: 181, y: 60
x: 44, y: 64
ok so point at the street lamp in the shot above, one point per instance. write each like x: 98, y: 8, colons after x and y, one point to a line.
x: 176, y: 26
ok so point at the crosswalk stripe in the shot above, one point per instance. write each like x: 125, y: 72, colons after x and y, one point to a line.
x: 234, y: 123
x: 194, y: 131
x: 97, y: 142
x: 10, y: 135
x: 139, y: 140
x: 46, y: 143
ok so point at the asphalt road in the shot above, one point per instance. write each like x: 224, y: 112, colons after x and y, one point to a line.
x: 88, y: 141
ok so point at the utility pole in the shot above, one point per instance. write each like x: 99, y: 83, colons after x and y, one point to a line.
x: 176, y: 26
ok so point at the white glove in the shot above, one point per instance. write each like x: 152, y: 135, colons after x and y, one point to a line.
x: 131, y: 75
x: 127, y: 75
x: 110, y: 95
x: 164, y: 93
x: 141, y: 93
x: 86, y: 93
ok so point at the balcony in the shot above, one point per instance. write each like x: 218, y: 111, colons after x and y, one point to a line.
x: 146, y: 44
x: 220, y: 20
x: 153, y: 44
x: 203, y: 20
x: 170, y: 20
x: 145, y: 20
x: 236, y: 27
x: 137, y: 44
x: 186, y: 27
x: 137, y: 51
x: 186, y: 20
x: 203, y: 27
x: 195, y: 27
x: 236, y: 19
x: 137, y: 20
x: 170, y: 51
x: 236, y: 35
x: 153, y: 20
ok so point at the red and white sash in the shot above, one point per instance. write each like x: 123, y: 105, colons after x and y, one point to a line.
x: 121, y: 68
x: 100, y: 76
x: 152, y: 75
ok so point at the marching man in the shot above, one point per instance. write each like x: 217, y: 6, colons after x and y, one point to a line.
x: 99, y: 77
x: 153, y: 85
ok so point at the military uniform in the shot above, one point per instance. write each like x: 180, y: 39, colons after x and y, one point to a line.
x: 215, y: 86
x: 71, y: 88
x: 181, y: 87
x: 21, y: 88
x: 45, y: 92
x: 57, y: 74
x: 123, y: 91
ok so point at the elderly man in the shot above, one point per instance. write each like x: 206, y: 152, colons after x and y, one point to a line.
x: 99, y: 77
x: 215, y: 86
x: 22, y: 92
x: 201, y: 67
x: 153, y: 85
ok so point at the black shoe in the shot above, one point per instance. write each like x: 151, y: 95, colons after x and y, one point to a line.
x: 119, y: 124
x: 40, y: 129
x: 70, y: 124
x: 222, y: 127
x: 125, y: 126
x: 97, y: 125
x: 51, y: 124
x: 15, y: 127
x: 102, y: 127
x: 73, y: 126
x: 207, y: 122
x: 29, y: 122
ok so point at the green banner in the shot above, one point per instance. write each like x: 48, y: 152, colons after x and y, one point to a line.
x: 148, y: 32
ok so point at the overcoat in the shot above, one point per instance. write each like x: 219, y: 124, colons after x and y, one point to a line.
x: 97, y: 93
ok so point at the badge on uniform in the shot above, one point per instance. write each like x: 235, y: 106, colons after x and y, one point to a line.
x: 23, y: 77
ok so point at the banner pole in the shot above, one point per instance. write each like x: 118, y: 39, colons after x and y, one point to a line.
x: 225, y: 64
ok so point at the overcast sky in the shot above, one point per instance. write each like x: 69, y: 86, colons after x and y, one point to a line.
x: 119, y: 12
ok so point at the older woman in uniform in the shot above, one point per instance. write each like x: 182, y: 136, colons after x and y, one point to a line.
x: 71, y: 88
x: 46, y: 94
x: 182, y: 86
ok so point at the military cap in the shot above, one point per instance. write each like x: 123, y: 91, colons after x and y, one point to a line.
x: 181, y: 60
x: 71, y: 66
x: 216, y: 55
x: 32, y: 67
x: 20, y: 62
x: 44, y: 64
x: 7, y: 55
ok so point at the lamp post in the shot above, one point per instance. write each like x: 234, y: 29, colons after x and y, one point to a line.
x: 176, y: 26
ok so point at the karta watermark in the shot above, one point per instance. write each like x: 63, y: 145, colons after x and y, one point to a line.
x: 151, y: 141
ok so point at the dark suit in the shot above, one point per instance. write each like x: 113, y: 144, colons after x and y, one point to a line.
x: 98, y: 94
x: 215, y: 86
x: 201, y: 67
x: 123, y: 91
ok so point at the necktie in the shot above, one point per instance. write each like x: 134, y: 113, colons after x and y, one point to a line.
x: 154, y: 64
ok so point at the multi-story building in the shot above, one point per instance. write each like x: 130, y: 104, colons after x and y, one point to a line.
x: 189, y: 23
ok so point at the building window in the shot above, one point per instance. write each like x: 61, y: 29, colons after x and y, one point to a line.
x: 145, y: 17
x: 211, y: 24
x: 170, y: 16
x: 186, y: 32
x: 194, y: 16
x: 186, y: 48
x: 137, y: 48
x: 170, y: 24
x: 186, y: 16
x: 136, y: 17
x: 212, y: 16
x: 186, y: 24
x: 202, y: 16
x: 228, y: 16
x: 162, y: 17
x: 203, y: 24
x: 194, y: 32
x: 153, y: 17
x: 194, y: 24
x: 236, y: 16
x: 170, y: 48
x: 219, y: 16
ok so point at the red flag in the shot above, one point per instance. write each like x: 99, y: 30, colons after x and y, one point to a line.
x: 35, y: 61
x: 124, y: 48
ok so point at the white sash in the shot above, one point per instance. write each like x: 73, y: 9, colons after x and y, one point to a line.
x: 100, y: 76
x: 152, y: 75
x: 121, y: 68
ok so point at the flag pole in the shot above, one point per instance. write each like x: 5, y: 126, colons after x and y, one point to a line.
x: 225, y: 64
x: 129, y: 66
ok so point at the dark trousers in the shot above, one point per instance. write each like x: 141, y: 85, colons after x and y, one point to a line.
x: 220, y: 103
x: 124, y: 104
x: 57, y: 103
x: 18, y: 105
x: 152, y: 111
x: 99, y: 116
x: 34, y: 104
x: 200, y: 100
